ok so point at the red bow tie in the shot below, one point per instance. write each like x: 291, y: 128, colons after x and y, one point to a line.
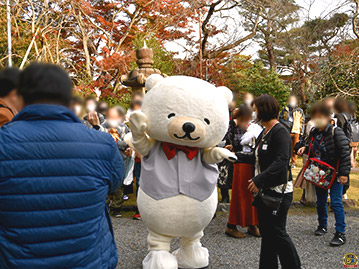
x: 171, y: 150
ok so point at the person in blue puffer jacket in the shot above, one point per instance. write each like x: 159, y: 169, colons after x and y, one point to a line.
x: 55, y: 174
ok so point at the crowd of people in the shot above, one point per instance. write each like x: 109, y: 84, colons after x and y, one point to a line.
x: 63, y: 196
x: 267, y: 147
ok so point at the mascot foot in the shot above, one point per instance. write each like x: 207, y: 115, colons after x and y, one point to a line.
x: 192, y: 256
x: 159, y: 259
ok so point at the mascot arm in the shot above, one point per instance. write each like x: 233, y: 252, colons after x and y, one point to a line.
x: 143, y: 145
x: 140, y: 140
x: 217, y: 155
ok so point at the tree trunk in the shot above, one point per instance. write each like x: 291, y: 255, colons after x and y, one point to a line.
x: 270, y: 49
x: 302, y: 86
x: 271, y: 56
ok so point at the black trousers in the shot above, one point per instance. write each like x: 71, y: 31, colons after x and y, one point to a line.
x: 275, y: 240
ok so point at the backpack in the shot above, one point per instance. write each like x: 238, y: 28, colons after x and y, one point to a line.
x: 354, y: 125
x: 347, y: 126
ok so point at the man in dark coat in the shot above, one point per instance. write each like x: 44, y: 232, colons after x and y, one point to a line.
x: 9, y: 100
x: 55, y: 174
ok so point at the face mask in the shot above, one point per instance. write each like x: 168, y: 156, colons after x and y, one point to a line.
x: 77, y: 110
x: 112, y: 123
x: 254, y: 115
x: 293, y: 104
x: 320, y: 123
x: 91, y: 108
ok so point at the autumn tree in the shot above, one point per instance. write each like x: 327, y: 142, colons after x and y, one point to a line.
x: 337, y: 74
x: 220, y: 25
x: 38, y: 31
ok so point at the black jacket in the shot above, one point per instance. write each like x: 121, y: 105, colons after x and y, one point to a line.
x: 337, y: 147
x: 274, y: 154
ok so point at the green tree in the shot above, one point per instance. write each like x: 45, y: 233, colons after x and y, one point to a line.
x: 301, y: 48
x: 276, y: 17
x: 258, y: 80
x: 163, y: 59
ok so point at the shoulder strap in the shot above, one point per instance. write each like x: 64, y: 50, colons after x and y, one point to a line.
x: 333, y: 130
x: 3, y: 106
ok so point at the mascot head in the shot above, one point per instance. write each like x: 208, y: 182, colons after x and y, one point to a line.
x: 186, y: 111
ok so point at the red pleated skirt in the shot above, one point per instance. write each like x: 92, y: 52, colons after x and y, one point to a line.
x: 241, y: 211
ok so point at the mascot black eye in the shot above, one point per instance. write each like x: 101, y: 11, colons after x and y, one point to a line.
x: 207, y: 121
x: 171, y: 115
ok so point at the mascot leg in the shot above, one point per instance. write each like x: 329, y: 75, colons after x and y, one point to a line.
x: 159, y: 256
x: 192, y: 254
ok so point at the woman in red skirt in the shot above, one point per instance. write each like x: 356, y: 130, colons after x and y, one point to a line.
x: 241, y: 211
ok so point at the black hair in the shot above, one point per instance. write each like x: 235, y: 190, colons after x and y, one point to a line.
x: 243, y: 111
x: 320, y: 108
x: 136, y: 103
x: 267, y: 107
x: 9, y: 80
x: 352, y: 108
x: 341, y: 105
x: 45, y: 83
x: 100, y: 107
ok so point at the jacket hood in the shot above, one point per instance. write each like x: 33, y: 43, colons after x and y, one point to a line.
x: 46, y: 112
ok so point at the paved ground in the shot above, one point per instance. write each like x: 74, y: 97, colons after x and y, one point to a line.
x: 227, y: 252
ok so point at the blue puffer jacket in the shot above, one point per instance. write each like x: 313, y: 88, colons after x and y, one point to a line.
x: 55, y: 175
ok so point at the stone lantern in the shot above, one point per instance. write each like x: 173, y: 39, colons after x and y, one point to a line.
x: 136, y: 78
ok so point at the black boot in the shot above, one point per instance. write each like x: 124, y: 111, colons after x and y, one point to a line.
x: 338, y: 240
x: 225, y: 196
x: 321, y: 231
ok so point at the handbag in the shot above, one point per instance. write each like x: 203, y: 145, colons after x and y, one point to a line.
x: 319, y: 173
x: 270, y: 201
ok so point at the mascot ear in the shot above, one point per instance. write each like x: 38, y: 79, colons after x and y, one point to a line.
x: 152, y: 81
x: 227, y: 93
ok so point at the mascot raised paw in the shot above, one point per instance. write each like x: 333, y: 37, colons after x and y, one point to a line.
x: 182, y: 121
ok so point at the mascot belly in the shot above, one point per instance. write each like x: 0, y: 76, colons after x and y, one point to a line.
x: 182, y: 121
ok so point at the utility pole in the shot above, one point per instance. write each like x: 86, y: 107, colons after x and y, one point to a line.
x: 8, y: 17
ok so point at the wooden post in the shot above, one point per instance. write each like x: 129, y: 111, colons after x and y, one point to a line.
x: 200, y: 45
x: 8, y: 18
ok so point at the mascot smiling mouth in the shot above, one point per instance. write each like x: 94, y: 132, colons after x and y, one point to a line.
x: 187, y: 136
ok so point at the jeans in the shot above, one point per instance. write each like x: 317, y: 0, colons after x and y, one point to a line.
x: 275, y: 240
x: 336, y: 192
x: 137, y: 173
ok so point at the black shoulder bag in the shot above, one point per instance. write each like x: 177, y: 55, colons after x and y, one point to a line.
x: 269, y: 201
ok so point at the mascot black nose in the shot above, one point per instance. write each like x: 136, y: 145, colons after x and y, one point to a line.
x: 188, y: 127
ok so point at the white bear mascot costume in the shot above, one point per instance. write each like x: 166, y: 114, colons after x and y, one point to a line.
x: 181, y: 122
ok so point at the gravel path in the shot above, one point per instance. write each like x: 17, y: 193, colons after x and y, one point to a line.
x: 227, y: 252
